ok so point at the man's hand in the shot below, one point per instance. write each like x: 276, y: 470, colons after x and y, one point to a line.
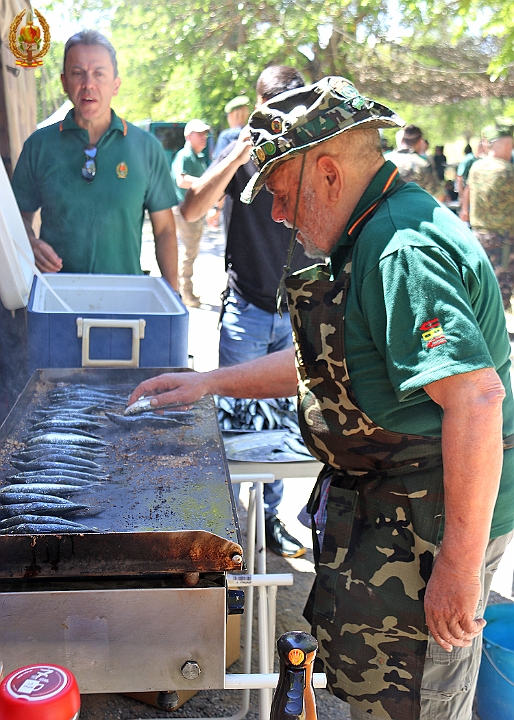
x: 241, y: 151
x: 170, y: 388
x: 451, y: 602
x: 46, y: 258
x: 272, y: 375
x: 208, y: 189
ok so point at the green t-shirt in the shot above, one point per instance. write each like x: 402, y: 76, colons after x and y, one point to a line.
x: 187, y: 162
x: 423, y: 305
x: 94, y: 227
x: 465, y: 166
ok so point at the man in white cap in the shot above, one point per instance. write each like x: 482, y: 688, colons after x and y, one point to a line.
x: 189, y: 163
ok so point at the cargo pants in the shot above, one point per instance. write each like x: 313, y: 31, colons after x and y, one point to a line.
x: 449, y: 679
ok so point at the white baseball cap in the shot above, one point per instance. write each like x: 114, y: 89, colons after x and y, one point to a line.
x: 195, y: 126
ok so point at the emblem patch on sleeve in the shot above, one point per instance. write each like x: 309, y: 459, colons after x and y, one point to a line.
x: 432, y: 333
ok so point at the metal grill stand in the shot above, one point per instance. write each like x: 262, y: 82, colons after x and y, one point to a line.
x: 265, y: 680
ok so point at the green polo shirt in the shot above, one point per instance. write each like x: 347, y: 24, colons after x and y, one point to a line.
x: 423, y: 305
x: 187, y: 162
x: 94, y: 227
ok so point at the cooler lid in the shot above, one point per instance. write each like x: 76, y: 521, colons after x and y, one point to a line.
x: 15, y: 271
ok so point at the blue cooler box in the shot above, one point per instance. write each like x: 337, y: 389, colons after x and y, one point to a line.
x: 112, y: 321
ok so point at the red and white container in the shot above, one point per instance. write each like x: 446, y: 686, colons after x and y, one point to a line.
x: 39, y: 692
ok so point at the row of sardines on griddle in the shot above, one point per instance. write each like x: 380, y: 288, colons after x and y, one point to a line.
x: 63, y: 456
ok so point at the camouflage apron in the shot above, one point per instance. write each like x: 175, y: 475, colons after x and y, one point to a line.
x: 383, y: 514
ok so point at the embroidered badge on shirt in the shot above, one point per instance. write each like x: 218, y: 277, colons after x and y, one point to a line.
x: 432, y: 333
x: 122, y: 170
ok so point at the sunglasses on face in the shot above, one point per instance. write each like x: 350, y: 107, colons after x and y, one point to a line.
x: 89, y: 169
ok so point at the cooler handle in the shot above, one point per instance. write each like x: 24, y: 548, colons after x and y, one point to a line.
x: 84, y: 326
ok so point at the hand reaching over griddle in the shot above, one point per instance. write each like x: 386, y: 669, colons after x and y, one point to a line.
x: 266, y: 377
x: 179, y: 388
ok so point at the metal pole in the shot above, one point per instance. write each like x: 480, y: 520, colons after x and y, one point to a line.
x: 272, y: 618
x: 262, y: 615
x: 237, y: 681
x: 234, y: 581
x: 249, y: 600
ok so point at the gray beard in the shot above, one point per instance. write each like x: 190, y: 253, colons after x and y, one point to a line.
x: 313, y: 211
x: 310, y: 248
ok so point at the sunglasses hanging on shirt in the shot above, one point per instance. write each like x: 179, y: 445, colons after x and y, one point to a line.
x: 89, y: 169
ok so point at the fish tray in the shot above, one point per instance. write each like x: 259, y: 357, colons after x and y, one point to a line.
x: 166, y: 507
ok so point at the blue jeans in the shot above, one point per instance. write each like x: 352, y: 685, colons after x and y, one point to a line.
x: 247, y: 333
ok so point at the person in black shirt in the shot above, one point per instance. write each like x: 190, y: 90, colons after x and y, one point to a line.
x: 440, y: 161
x: 255, y: 255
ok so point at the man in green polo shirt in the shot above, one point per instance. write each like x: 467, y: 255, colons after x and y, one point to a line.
x: 188, y: 164
x: 93, y: 175
x: 402, y: 372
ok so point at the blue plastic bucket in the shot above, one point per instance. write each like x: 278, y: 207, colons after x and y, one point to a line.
x: 495, y: 689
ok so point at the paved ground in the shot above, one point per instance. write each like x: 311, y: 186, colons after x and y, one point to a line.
x: 209, y: 281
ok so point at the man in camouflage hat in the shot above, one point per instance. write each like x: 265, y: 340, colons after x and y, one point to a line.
x: 413, y: 164
x: 402, y: 373
x: 491, y: 199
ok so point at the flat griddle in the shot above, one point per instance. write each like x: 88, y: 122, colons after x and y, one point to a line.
x: 167, y: 506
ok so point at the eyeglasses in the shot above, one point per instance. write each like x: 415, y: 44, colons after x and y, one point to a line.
x: 89, y: 169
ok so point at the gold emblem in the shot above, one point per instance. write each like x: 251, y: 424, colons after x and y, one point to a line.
x: 26, y: 45
x: 261, y: 155
x: 296, y: 656
x: 122, y: 170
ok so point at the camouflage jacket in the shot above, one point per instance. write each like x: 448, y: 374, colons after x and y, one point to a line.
x: 491, y: 193
x: 418, y: 169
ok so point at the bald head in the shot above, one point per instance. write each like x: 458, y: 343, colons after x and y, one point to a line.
x: 500, y: 148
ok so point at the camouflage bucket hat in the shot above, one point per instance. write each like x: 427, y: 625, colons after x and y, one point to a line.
x: 295, y: 121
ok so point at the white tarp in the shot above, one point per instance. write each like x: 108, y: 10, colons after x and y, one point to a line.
x: 57, y: 116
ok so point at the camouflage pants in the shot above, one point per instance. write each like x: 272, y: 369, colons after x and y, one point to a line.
x: 500, y: 251
x: 449, y: 679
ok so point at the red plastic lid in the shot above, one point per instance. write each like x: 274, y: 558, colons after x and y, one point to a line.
x: 39, y: 692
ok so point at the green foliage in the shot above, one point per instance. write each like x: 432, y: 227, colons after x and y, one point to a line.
x: 180, y: 60
x: 217, y: 51
x: 493, y: 18
x: 49, y: 93
x: 447, y: 123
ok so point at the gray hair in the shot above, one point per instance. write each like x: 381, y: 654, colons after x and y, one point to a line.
x: 353, y: 145
x: 91, y: 37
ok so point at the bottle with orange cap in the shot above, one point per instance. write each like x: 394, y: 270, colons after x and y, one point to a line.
x: 294, y: 697
x: 39, y: 692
